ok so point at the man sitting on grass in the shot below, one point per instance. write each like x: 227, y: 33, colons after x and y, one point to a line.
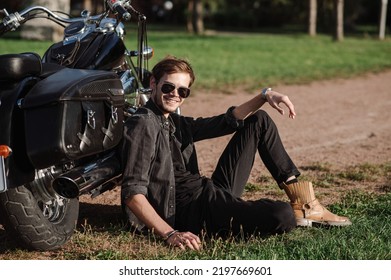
x: 163, y: 190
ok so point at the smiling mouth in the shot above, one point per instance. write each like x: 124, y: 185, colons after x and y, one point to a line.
x: 171, y: 100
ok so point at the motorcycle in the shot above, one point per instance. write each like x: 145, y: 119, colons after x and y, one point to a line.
x: 61, y: 119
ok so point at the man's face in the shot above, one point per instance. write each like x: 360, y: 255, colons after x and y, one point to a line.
x: 169, y: 102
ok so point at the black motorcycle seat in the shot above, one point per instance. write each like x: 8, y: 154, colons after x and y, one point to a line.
x: 15, y: 67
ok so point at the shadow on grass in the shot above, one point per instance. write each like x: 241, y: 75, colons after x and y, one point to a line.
x: 98, y: 217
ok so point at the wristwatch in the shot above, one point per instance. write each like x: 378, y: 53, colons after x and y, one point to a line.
x: 264, y: 91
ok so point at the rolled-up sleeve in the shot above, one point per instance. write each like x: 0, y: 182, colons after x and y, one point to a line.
x: 231, y: 120
x: 137, y: 155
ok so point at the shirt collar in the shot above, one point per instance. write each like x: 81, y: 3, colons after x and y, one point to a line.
x: 155, y: 109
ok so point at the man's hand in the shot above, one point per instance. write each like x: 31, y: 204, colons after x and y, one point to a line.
x: 185, y: 240
x: 143, y: 210
x: 275, y: 98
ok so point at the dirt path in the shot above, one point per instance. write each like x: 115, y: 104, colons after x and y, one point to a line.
x: 341, y: 122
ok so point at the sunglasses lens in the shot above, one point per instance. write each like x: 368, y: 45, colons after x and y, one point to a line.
x: 167, y: 88
x: 182, y: 91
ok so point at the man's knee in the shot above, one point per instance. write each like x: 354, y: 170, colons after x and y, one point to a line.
x: 261, y: 119
x: 262, y: 115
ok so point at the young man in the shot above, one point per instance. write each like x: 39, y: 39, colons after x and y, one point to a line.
x: 163, y: 190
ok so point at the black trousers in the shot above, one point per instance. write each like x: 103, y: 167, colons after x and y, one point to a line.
x: 220, y: 210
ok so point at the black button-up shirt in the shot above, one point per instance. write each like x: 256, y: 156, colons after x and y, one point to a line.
x: 159, y: 157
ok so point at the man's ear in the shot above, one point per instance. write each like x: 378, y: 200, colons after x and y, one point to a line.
x: 153, y: 87
x: 152, y: 82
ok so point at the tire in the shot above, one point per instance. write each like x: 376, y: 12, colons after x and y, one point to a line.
x: 36, y: 218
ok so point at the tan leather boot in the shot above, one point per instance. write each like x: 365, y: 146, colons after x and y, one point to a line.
x: 308, y: 209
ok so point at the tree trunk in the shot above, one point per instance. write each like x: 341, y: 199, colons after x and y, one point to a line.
x: 190, y: 12
x: 195, y: 21
x: 339, y: 10
x: 198, y: 17
x: 312, y: 17
x: 44, y: 29
x: 88, y: 5
x: 383, y: 19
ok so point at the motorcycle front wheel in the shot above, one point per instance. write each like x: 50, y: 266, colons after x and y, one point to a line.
x: 36, y: 217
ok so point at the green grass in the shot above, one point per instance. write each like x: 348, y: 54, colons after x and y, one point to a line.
x: 263, y: 59
x: 368, y: 238
x: 255, y: 60
x: 368, y: 206
x: 20, y: 46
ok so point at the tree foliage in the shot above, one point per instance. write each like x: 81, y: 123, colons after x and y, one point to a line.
x: 248, y: 14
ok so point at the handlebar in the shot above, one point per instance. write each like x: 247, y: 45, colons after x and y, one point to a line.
x: 55, y: 16
x: 13, y: 21
x: 118, y: 6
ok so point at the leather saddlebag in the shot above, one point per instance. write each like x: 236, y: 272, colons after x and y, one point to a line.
x: 73, y: 114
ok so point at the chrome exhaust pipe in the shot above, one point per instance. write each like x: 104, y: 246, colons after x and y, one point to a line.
x: 81, y: 180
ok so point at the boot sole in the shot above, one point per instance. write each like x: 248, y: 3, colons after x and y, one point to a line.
x: 301, y: 222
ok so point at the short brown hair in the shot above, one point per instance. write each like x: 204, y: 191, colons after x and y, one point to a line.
x: 171, y: 65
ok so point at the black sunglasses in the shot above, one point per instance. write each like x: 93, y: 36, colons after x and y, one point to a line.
x: 183, y: 92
